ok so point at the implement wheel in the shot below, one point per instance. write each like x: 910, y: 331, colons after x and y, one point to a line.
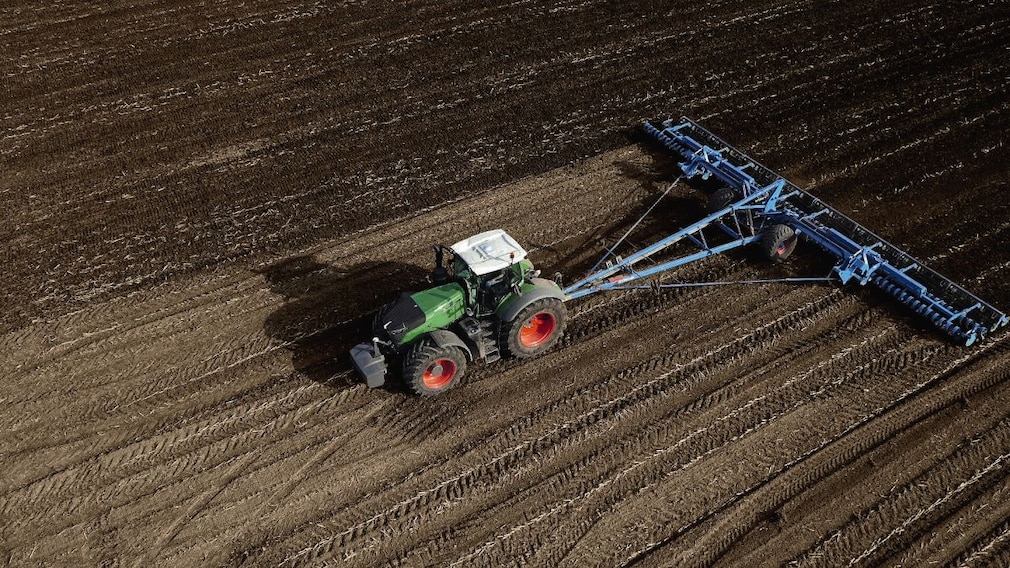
x: 535, y: 329
x: 429, y: 369
x: 721, y: 199
x: 778, y: 242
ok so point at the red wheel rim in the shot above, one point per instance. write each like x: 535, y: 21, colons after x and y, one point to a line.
x: 537, y: 330
x: 785, y: 246
x: 440, y: 373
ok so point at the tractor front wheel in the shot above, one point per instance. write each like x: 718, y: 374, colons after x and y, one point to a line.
x: 429, y: 369
x: 535, y: 329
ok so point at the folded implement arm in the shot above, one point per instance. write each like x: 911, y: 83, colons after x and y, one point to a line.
x: 764, y: 199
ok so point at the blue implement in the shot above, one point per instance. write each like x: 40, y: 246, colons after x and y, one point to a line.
x: 763, y: 200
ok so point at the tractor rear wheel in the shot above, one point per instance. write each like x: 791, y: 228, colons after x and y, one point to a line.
x: 778, y: 242
x: 535, y: 329
x: 429, y: 369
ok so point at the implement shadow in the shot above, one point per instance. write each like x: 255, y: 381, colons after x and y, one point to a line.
x: 682, y: 206
x: 328, y: 309
x: 808, y: 260
x: 652, y: 178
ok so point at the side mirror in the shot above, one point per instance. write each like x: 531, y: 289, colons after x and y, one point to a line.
x: 439, y: 274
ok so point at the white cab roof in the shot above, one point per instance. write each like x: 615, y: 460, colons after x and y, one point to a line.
x: 489, y: 251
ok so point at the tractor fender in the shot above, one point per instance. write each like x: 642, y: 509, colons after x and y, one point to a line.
x: 543, y: 289
x: 446, y: 338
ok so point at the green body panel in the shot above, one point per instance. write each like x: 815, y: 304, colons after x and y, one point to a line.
x: 526, y: 287
x: 441, y: 305
x: 522, y: 267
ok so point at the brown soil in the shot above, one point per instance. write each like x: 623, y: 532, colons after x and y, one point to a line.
x: 206, y: 201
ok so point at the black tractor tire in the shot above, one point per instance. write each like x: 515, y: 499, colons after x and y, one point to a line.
x: 429, y: 369
x: 778, y: 242
x: 721, y: 199
x: 535, y: 329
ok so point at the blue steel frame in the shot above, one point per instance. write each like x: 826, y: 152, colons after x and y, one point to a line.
x: 764, y: 199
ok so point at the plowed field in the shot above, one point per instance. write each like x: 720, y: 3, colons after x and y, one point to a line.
x: 205, y: 202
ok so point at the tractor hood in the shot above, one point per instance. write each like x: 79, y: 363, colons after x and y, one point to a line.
x: 416, y: 314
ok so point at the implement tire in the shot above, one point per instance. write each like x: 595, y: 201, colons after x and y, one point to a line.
x: 429, y: 369
x: 721, y: 199
x: 778, y: 242
x: 535, y: 329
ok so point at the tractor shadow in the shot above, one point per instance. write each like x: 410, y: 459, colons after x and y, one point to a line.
x: 328, y: 309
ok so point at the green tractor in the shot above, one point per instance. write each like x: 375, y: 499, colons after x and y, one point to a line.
x: 488, y: 302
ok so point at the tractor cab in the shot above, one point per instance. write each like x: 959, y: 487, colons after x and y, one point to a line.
x: 489, y: 266
x: 487, y: 253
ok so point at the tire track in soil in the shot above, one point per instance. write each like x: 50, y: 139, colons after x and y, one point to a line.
x: 201, y: 502
x: 649, y: 421
x: 254, y: 525
x: 553, y: 537
x: 994, y: 550
x: 117, y: 337
x: 753, y: 426
x: 161, y: 479
x: 275, y: 406
x: 514, y: 455
x: 877, y: 551
x: 156, y: 418
x: 910, y: 511
x: 915, y: 550
x: 946, y: 386
x: 846, y: 494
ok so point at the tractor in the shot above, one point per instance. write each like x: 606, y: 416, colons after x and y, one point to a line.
x: 487, y: 301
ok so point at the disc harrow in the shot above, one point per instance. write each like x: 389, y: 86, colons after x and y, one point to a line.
x: 764, y: 203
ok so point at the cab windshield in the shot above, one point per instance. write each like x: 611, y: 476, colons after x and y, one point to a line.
x: 461, y: 270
